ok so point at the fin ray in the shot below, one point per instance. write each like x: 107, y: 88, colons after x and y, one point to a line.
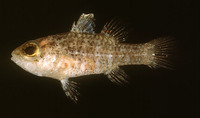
x: 85, y: 24
x: 115, y: 29
x: 163, y: 49
x: 117, y: 76
x: 70, y: 89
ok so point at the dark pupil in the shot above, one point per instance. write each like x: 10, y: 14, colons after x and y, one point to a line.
x: 30, y: 50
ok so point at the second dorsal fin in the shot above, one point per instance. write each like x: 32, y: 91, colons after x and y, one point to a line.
x: 115, y: 29
x: 85, y: 24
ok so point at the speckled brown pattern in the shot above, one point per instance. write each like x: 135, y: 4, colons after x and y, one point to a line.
x: 82, y: 52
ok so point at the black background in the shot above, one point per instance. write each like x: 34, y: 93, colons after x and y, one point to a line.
x: 157, y: 93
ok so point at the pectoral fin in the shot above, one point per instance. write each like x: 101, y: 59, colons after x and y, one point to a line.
x: 117, y: 76
x: 70, y: 89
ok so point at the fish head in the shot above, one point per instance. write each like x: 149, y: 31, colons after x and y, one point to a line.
x: 27, y: 56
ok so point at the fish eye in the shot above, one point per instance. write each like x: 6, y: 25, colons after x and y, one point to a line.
x: 30, y: 49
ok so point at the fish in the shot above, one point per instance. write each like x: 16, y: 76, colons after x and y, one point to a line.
x: 81, y: 52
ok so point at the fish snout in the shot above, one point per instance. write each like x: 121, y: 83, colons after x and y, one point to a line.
x: 15, y: 53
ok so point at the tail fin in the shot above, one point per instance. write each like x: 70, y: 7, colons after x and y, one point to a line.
x: 162, y: 51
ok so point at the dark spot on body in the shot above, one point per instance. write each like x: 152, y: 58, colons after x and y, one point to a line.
x: 43, y: 46
x: 52, y: 43
x: 66, y: 65
x: 79, y: 59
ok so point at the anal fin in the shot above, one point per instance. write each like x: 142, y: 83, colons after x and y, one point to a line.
x: 117, y: 76
x: 70, y: 89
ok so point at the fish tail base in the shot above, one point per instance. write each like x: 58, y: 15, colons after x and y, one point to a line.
x: 161, y: 52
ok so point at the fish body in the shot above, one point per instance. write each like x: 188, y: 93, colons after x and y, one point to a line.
x: 83, y: 52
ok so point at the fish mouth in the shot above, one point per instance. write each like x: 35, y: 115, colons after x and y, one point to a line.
x: 14, y: 55
x: 13, y: 58
x: 16, y: 58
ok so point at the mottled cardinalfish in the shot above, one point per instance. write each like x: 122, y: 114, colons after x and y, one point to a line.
x: 83, y: 52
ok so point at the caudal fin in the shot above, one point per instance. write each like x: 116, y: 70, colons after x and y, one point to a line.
x: 162, y: 52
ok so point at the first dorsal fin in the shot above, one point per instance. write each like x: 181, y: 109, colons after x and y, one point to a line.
x: 115, y: 29
x: 85, y: 24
